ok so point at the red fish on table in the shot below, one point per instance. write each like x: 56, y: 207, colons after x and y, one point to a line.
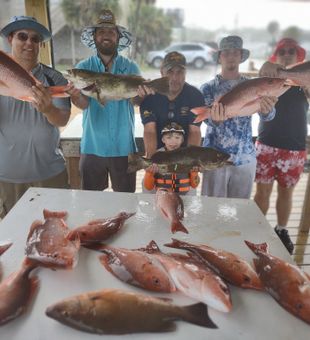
x: 99, y: 230
x: 17, y: 291
x: 136, y: 268
x: 3, y: 248
x: 112, y: 311
x: 16, y: 82
x: 285, y: 282
x: 229, y: 266
x: 171, y: 206
x: 193, y: 279
x: 47, y: 242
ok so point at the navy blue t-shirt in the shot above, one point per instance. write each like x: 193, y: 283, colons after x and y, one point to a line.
x: 159, y: 109
x: 288, y: 129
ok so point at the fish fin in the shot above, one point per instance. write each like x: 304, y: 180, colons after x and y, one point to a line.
x: 59, y: 91
x: 197, y: 314
x: 35, y: 224
x: 54, y: 214
x: 201, y: 111
x: 178, y: 226
x: 136, y: 162
x: 151, y: 247
x: 160, y: 85
x: 25, y: 99
x: 257, y: 248
x: 5, y: 247
x: 291, y: 82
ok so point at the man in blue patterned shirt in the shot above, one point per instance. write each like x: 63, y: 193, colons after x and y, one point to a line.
x: 233, y: 135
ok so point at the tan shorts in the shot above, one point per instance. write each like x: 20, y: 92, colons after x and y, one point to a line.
x: 10, y: 193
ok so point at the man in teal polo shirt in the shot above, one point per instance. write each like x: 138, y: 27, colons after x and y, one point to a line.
x: 108, y: 132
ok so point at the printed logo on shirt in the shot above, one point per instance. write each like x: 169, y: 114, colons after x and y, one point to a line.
x: 184, y: 111
x: 146, y: 113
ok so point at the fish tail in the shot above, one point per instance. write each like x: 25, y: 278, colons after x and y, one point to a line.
x: 197, y: 314
x: 178, y: 226
x: 5, y: 247
x: 160, y: 85
x: 136, y: 162
x: 59, y: 91
x: 257, y: 248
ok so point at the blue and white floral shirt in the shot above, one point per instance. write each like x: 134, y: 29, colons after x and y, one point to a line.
x: 234, y: 135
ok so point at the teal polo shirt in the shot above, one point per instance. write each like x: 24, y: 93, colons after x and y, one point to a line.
x: 108, y: 131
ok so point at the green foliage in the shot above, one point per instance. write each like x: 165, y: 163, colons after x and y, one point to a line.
x: 292, y: 32
x: 152, y: 29
x: 81, y: 13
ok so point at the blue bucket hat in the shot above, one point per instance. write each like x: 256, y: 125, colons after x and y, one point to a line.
x: 24, y: 22
x: 231, y: 42
x: 106, y: 19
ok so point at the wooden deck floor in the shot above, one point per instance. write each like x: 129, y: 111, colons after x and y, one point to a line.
x: 302, y: 241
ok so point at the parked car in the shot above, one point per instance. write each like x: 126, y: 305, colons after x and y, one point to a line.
x: 196, y: 54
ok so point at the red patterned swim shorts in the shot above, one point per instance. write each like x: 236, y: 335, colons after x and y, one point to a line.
x: 284, y: 166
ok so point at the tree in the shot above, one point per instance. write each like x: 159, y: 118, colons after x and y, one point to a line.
x: 150, y: 26
x: 273, y: 29
x: 81, y: 13
x: 292, y: 32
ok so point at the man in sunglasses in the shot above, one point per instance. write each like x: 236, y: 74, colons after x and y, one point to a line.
x: 29, y: 138
x: 281, y: 143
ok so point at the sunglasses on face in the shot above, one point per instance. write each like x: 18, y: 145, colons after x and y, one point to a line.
x: 290, y: 51
x: 22, y: 36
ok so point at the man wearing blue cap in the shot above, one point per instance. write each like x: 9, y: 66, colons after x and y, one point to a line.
x: 29, y: 137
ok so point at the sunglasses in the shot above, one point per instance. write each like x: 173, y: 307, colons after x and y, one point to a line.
x: 22, y: 36
x: 171, y: 110
x: 290, y: 51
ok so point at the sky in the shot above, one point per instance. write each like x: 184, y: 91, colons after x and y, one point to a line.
x: 214, y: 14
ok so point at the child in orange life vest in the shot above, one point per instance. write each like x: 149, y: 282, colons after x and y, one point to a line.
x: 172, y: 138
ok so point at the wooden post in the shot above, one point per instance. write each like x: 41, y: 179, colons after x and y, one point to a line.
x: 304, y: 225
x: 39, y: 10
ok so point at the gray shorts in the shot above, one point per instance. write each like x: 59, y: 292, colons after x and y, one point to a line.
x: 10, y: 193
x: 95, y: 172
x: 229, y: 181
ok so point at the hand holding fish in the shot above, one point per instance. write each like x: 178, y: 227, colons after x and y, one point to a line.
x: 153, y: 168
x: 267, y: 104
x: 144, y: 90
x: 270, y: 70
x: 77, y: 97
x: 218, y: 113
x: 42, y: 99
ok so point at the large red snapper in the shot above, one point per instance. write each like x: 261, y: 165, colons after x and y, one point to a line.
x: 194, y: 279
x: 16, y: 292
x: 285, y: 282
x: 16, y: 82
x: 47, y: 242
x: 229, y: 266
x: 243, y: 99
x: 136, y: 268
x: 171, y: 206
x: 99, y: 230
x: 112, y: 311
